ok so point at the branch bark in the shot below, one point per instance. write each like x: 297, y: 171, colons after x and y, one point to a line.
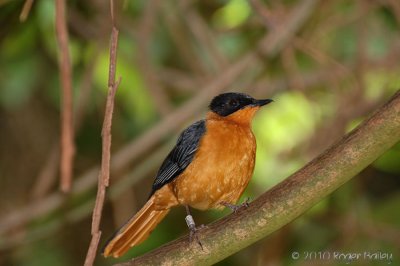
x: 67, y: 128
x: 25, y: 10
x: 289, y: 199
x: 104, y: 174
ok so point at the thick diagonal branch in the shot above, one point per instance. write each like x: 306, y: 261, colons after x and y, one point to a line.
x: 289, y: 199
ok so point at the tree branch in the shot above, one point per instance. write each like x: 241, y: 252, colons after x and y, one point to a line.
x: 104, y: 174
x: 289, y: 199
x: 25, y: 10
x: 67, y: 128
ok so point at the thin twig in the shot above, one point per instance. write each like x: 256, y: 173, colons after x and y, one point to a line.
x: 48, y: 174
x: 112, y: 19
x: 104, y: 175
x: 67, y: 131
x: 113, y: 57
x: 25, y: 10
x: 105, y: 160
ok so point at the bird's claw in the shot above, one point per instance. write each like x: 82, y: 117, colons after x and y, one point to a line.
x: 194, y: 235
x: 234, y: 207
x: 193, y: 230
x: 246, y: 203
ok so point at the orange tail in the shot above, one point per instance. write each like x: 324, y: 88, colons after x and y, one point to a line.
x: 136, y: 230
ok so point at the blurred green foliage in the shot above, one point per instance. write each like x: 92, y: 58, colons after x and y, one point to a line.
x: 132, y: 94
x: 276, y: 129
x: 234, y: 13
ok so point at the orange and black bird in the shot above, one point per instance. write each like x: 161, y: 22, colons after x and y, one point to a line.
x: 209, y: 167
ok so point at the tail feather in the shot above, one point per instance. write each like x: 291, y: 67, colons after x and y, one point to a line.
x: 136, y: 230
x: 140, y: 235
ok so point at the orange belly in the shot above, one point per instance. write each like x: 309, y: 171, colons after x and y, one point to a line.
x: 221, y: 168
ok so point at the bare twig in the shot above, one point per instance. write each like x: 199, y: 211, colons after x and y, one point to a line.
x: 48, y: 174
x: 67, y: 132
x: 104, y: 175
x: 113, y: 57
x: 25, y: 10
x: 113, y: 24
x: 105, y: 160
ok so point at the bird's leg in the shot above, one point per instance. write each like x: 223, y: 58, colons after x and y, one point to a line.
x: 192, y: 227
x: 234, y: 207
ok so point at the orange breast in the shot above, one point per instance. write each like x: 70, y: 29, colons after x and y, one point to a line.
x: 221, y: 168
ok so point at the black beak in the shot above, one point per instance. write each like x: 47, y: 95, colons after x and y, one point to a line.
x: 262, y: 102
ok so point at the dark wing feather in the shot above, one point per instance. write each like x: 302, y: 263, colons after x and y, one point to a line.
x: 180, y: 156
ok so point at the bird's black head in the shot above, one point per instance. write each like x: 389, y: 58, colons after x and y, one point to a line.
x: 228, y: 103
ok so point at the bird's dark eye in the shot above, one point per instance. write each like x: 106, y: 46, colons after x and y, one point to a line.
x: 233, y: 103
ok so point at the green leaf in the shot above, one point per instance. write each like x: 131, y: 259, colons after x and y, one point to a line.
x: 232, y: 15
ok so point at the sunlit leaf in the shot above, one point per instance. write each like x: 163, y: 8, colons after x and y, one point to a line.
x: 233, y: 14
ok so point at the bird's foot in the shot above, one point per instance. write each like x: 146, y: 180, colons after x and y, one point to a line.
x: 235, y: 207
x: 193, y: 230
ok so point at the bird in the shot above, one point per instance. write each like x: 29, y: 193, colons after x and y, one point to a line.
x: 209, y: 168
